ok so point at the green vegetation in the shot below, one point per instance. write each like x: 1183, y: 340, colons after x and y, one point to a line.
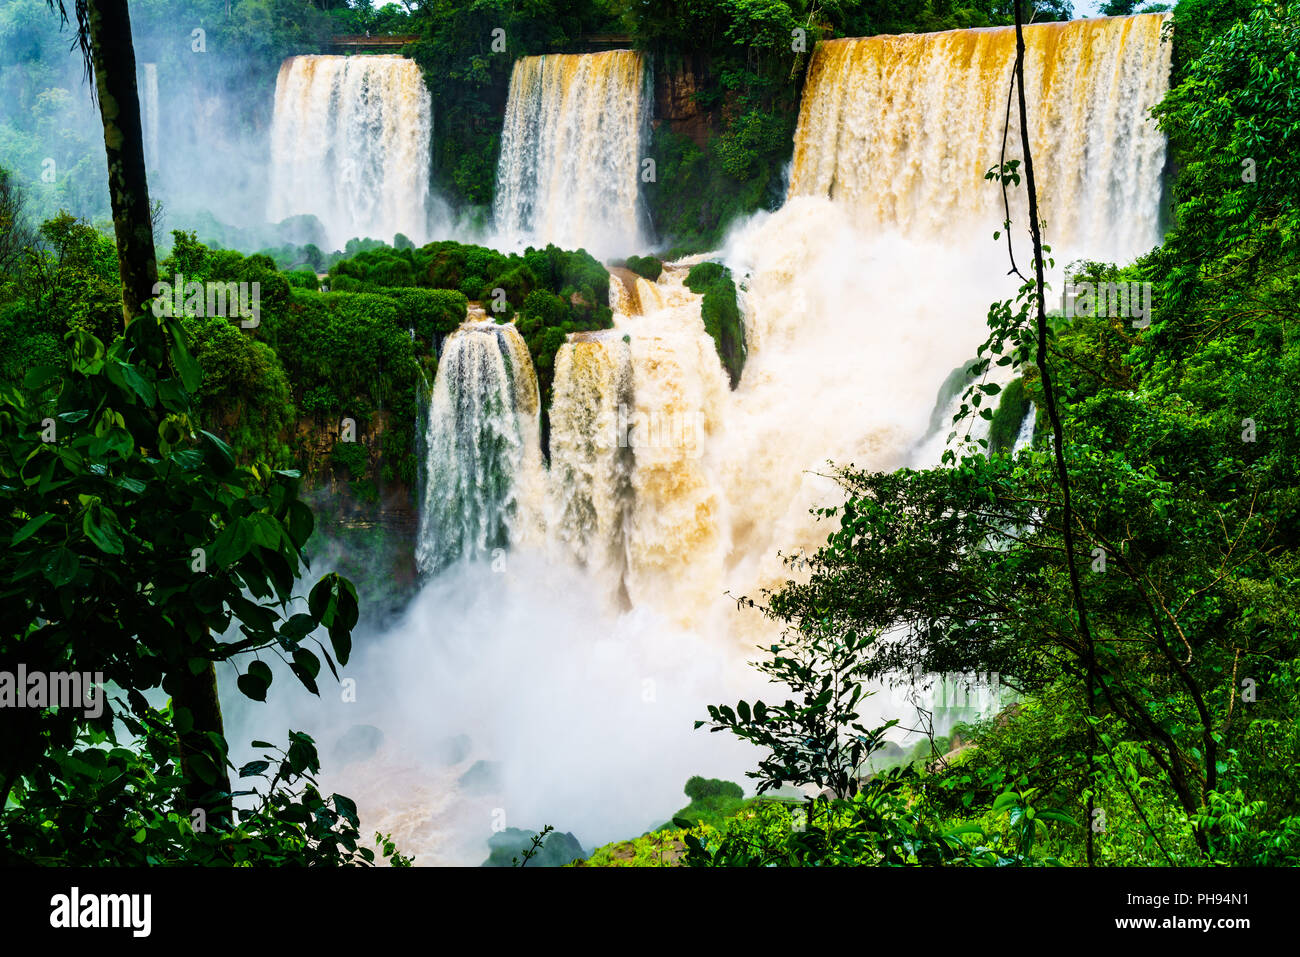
x: 1141, y: 707
x: 647, y: 267
x: 548, y: 292
x: 712, y: 802
x: 721, y: 312
x: 505, y: 848
x: 1004, y: 427
x: 140, y: 545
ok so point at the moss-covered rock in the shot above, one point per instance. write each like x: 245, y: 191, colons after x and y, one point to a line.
x: 647, y: 267
x: 508, y: 846
x: 1010, y: 413
x: 483, y: 777
x: 721, y: 314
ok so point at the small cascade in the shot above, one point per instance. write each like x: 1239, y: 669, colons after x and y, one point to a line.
x: 571, y: 151
x: 481, y: 445
x: 680, y: 391
x: 351, y: 144
x: 591, y: 459
x: 1025, y: 437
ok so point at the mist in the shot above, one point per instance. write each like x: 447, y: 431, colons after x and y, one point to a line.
x: 587, y: 714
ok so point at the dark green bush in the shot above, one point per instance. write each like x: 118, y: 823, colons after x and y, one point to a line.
x: 721, y: 314
x: 1011, y: 412
x: 701, y: 789
x: 302, y: 279
x: 647, y: 267
x: 432, y: 313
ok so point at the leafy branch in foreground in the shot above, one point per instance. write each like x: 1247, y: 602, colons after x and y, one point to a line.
x: 538, y: 840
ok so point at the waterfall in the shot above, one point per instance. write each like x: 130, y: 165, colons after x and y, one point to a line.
x: 591, y: 459
x: 903, y: 128
x: 668, y: 494
x: 859, y: 296
x: 149, y: 112
x: 571, y: 152
x: 681, y: 390
x: 1025, y: 435
x: 350, y: 143
x: 480, y: 442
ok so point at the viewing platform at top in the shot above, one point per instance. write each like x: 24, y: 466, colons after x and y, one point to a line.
x: 392, y: 43
x: 360, y: 43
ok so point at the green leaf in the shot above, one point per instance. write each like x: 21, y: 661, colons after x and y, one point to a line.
x: 252, y: 686
x: 261, y: 669
x: 307, y: 661
x: 1005, y: 800
x: 187, y: 366
x: 297, y: 628
x: 347, y: 808
x: 139, y: 384
x: 318, y: 599
x: 61, y: 566
x: 341, y: 642
x: 232, y: 544
x: 217, y: 453
x: 306, y: 666
x: 300, y: 522
x: 99, y: 530
x: 30, y: 529
x: 1060, y: 816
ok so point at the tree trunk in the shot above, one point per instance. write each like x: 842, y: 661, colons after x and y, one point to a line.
x: 113, y: 57
x: 1058, y: 439
x: 198, y: 694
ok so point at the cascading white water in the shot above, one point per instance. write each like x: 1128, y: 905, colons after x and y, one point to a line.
x: 350, y: 143
x: 1025, y: 435
x: 571, y: 151
x: 860, y: 295
x: 591, y: 459
x: 903, y: 128
x: 480, y: 438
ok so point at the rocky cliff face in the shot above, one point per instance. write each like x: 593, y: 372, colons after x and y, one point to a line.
x: 675, y: 104
x: 365, y: 526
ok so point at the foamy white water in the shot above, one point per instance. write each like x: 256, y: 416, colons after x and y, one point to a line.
x: 350, y: 143
x: 581, y: 660
x: 571, y: 152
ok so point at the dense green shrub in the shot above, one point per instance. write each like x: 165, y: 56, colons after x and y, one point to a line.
x: 302, y: 279
x: 432, y: 313
x: 245, y: 394
x: 700, y: 788
x: 721, y: 313
x: 349, y: 346
x: 1011, y: 412
x: 647, y: 267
